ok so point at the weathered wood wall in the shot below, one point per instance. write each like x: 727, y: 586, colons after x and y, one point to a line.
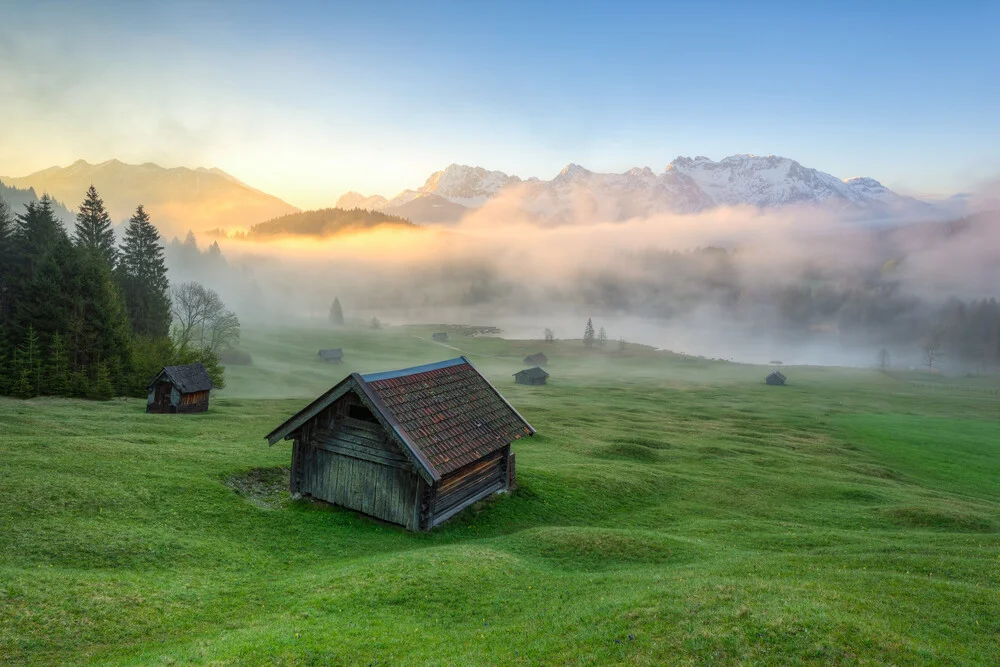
x: 354, y: 463
x: 459, y: 489
x: 179, y: 403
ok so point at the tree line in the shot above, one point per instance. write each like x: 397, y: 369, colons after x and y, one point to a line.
x: 82, y: 315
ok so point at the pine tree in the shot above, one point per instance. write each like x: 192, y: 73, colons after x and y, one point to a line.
x: 6, y: 367
x: 99, y: 327
x: 336, y: 313
x: 143, y: 276
x: 36, y: 231
x: 28, y: 366
x: 101, y: 385
x: 57, y: 368
x: 93, y: 228
x: 6, y: 260
x: 6, y: 226
x: 21, y: 385
x: 588, y: 334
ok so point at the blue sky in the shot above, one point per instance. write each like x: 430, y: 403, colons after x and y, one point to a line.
x: 309, y: 100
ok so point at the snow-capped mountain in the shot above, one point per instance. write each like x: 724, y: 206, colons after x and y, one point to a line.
x: 687, y: 185
x: 353, y: 199
x: 468, y: 186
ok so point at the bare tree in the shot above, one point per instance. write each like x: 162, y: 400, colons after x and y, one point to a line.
x: 621, y: 344
x: 201, y: 318
x: 602, y: 337
x: 932, y: 350
x: 883, y: 359
x: 549, y: 336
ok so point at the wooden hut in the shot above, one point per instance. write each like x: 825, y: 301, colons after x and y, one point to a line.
x: 537, y: 359
x: 334, y: 356
x: 413, y: 446
x: 775, y: 377
x: 179, y: 389
x: 531, y: 376
x: 440, y: 336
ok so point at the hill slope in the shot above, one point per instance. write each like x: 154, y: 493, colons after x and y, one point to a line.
x: 671, y: 510
x: 324, y: 222
x: 177, y: 199
x: 17, y: 198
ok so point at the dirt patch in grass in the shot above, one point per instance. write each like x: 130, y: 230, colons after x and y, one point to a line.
x: 266, y: 488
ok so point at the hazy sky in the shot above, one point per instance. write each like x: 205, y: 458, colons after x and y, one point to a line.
x: 308, y: 100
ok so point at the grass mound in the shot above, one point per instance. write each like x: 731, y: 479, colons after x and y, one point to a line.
x: 945, y: 519
x: 628, y: 452
x: 600, y: 548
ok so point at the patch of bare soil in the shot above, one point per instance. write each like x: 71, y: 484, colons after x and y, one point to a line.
x: 266, y: 488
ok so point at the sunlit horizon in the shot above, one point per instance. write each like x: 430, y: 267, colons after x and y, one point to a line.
x: 307, y: 106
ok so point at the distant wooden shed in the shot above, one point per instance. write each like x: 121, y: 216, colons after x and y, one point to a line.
x: 440, y: 336
x: 413, y: 446
x: 179, y: 389
x: 776, y: 377
x: 531, y: 376
x: 537, y: 359
x: 336, y: 355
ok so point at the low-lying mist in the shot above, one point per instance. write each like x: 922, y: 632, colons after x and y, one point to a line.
x: 792, y: 284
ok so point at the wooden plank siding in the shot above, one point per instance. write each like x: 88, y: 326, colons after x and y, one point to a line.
x: 344, y: 457
x: 354, y: 464
x: 463, y: 487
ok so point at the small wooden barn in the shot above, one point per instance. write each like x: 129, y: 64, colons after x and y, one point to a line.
x: 775, y: 377
x: 531, y: 376
x: 440, y: 336
x: 413, y: 446
x: 537, y: 359
x: 179, y: 389
x: 334, y: 356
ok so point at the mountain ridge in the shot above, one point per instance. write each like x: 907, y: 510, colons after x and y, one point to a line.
x: 686, y: 185
x: 177, y: 198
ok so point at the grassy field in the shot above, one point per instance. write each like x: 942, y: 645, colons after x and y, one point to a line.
x: 670, y: 510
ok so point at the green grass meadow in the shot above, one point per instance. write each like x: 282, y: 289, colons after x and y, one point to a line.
x: 670, y: 510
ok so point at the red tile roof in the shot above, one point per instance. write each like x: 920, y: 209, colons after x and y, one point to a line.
x: 450, y: 412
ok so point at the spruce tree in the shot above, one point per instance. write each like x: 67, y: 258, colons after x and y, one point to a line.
x: 93, y: 228
x: 36, y: 231
x: 101, y: 384
x: 28, y: 366
x: 57, y: 368
x: 143, y: 276
x: 6, y: 367
x: 588, y: 334
x: 21, y: 384
x: 6, y: 226
x: 42, y: 284
x: 99, y: 326
x: 6, y: 261
x: 336, y: 313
